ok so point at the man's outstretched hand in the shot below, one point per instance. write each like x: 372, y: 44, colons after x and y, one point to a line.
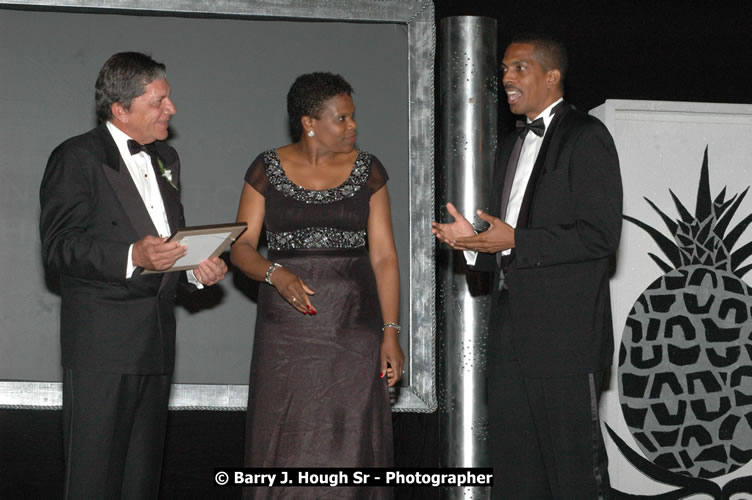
x: 460, y: 234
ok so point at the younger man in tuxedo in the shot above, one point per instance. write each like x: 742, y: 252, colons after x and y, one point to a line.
x: 109, y: 200
x: 556, y: 220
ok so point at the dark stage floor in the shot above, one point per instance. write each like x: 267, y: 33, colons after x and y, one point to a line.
x: 31, y: 453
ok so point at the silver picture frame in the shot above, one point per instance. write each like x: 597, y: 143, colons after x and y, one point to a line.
x: 418, y: 392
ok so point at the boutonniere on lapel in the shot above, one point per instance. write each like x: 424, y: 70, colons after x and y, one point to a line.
x: 166, y: 173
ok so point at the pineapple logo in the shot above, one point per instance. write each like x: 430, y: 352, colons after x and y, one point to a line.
x: 685, y: 363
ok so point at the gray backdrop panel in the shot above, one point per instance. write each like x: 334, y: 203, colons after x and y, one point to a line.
x: 229, y: 79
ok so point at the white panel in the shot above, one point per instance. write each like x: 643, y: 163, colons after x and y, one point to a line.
x: 661, y: 146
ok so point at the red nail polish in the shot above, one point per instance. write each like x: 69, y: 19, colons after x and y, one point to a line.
x: 382, y: 375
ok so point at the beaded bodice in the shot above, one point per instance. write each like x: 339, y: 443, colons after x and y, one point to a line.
x: 298, y: 218
x: 347, y: 189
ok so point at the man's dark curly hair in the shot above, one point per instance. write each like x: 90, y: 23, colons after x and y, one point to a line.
x: 307, y: 96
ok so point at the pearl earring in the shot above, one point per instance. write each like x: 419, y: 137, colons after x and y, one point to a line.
x: 310, y: 133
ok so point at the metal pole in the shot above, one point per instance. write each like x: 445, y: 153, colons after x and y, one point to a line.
x: 468, y: 75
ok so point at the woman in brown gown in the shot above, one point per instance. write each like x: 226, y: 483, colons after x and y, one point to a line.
x: 326, y: 346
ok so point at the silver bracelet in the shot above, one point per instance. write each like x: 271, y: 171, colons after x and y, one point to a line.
x: 391, y: 325
x: 268, y: 277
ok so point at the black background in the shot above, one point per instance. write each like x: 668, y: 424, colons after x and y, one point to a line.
x: 653, y: 50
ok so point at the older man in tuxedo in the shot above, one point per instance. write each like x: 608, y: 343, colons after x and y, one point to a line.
x: 556, y: 206
x: 110, y: 198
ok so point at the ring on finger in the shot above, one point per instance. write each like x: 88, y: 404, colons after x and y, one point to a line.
x: 294, y: 299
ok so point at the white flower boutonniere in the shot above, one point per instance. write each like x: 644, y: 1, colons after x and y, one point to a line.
x: 167, y: 174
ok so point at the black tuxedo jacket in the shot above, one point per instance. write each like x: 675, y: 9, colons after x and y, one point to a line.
x: 559, y: 315
x: 91, y: 212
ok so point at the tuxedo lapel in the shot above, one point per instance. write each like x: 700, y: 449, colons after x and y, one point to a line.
x: 122, y: 183
x: 170, y: 198
x: 506, y: 188
x: 170, y: 194
x: 540, y: 161
x: 502, y: 171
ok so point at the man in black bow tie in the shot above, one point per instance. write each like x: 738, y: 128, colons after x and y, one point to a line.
x: 110, y: 199
x: 555, y: 221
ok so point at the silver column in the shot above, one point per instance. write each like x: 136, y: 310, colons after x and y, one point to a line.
x: 468, y: 75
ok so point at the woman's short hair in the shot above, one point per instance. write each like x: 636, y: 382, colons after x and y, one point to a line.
x: 307, y: 95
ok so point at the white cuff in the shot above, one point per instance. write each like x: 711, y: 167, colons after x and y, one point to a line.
x: 193, y: 280
x: 470, y: 256
x: 129, y: 268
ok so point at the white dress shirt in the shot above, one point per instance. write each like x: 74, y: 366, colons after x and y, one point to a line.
x: 528, y: 154
x: 145, y: 179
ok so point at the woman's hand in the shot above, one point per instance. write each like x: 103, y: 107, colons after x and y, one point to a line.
x: 392, y: 358
x: 293, y: 290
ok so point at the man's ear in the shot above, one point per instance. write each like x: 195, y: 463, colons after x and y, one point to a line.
x: 553, y: 78
x: 119, y: 112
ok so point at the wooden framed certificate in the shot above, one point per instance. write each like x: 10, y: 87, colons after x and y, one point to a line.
x: 203, y: 242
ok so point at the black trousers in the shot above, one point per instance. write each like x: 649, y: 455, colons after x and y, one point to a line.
x: 544, y: 433
x: 114, y: 429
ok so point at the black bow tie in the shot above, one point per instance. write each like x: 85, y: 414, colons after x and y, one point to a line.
x: 135, y: 148
x: 537, y: 126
